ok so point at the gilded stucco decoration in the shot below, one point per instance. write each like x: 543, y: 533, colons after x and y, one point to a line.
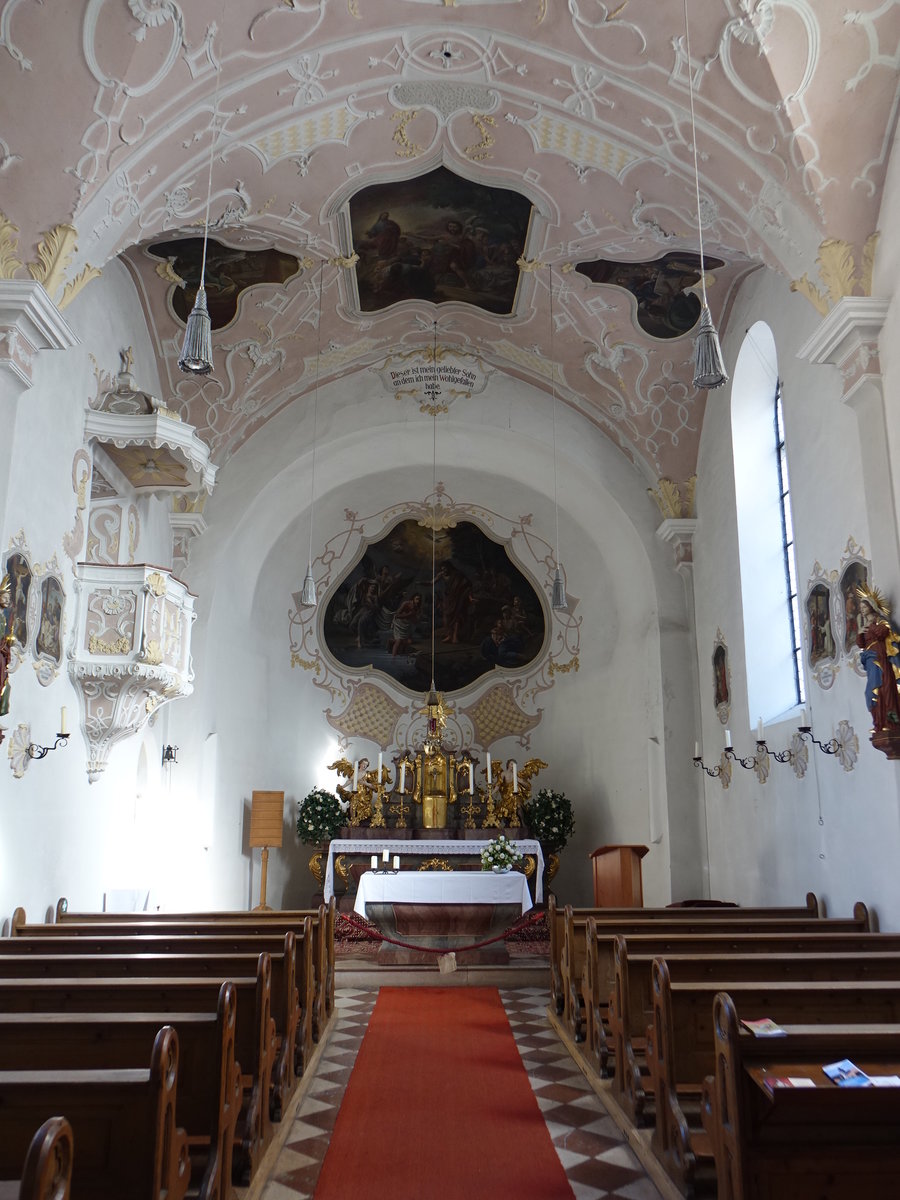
x: 370, y: 714
x: 675, y: 500
x: 55, y: 250
x: 839, y: 273
x: 514, y: 708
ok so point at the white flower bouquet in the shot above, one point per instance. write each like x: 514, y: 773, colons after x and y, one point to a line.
x: 499, y: 855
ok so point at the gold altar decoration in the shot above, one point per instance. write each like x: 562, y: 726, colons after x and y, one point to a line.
x: 436, y: 769
x: 435, y: 864
x: 317, y: 868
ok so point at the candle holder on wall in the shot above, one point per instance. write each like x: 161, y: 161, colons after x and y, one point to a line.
x: 35, y: 751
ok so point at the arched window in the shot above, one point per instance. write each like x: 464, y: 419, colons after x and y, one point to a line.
x: 765, y: 531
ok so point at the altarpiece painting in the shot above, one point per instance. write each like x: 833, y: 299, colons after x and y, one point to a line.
x: 487, y: 614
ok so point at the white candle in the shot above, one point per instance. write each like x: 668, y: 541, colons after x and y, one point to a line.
x: 515, y: 778
x: 804, y: 720
x: 63, y: 727
x: 403, y: 775
x: 356, y: 776
x: 489, y: 768
x: 759, y: 731
x: 728, y: 739
x: 379, y: 766
x: 385, y: 857
x: 374, y: 862
x: 471, y: 780
x: 696, y: 749
x: 396, y: 862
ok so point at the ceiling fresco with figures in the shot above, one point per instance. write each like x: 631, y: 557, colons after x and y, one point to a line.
x: 327, y: 114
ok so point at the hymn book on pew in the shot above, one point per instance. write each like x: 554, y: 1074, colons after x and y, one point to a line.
x: 764, y: 1027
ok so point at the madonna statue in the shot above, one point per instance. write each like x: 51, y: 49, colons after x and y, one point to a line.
x: 880, y: 646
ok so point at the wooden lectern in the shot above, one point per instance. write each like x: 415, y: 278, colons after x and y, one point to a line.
x: 266, y: 829
x: 617, y: 877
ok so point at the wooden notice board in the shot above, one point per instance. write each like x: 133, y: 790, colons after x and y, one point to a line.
x: 266, y: 818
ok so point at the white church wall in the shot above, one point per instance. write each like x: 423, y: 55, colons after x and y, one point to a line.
x: 834, y: 831
x: 61, y: 835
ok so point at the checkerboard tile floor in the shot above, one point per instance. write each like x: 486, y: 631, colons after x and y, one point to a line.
x: 597, y: 1161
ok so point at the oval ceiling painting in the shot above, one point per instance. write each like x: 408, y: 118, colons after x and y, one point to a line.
x: 486, y: 613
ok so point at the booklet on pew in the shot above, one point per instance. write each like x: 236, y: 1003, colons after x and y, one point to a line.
x: 788, y: 1081
x: 764, y: 1027
x: 847, y: 1074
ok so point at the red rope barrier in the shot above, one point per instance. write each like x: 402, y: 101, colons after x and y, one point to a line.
x: 377, y: 936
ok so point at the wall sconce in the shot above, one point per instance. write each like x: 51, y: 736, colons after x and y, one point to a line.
x: 170, y: 756
x: 62, y: 739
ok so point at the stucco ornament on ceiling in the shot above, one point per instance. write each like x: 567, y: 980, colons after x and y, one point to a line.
x: 434, y: 380
x: 515, y: 707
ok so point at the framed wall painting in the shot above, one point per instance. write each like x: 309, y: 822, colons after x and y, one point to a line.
x: 49, y: 635
x: 721, y: 678
x: 853, y: 572
x: 18, y: 567
x: 822, y: 648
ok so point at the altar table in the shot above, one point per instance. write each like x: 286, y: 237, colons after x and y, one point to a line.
x: 439, y: 849
x: 428, y: 911
x: 443, y: 887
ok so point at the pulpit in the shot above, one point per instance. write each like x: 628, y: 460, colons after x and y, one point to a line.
x: 617, y: 876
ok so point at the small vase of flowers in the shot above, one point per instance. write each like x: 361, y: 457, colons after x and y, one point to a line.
x: 499, y: 855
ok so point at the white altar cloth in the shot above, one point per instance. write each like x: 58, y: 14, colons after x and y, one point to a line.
x: 370, y: 846
x: 442, y: 887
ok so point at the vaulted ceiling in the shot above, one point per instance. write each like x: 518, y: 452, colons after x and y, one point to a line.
x: 110, y: 109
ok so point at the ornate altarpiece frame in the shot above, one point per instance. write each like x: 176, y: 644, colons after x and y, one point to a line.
x: 503, y: 703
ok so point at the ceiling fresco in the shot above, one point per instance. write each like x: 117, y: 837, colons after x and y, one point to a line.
x: 438, y: 237
x: 322, y: 116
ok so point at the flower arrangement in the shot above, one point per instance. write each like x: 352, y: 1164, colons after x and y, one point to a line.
x: 500, y: 854
x: 550, y: 819
x: 320, y: 816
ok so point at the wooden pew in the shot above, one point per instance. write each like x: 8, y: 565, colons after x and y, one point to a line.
x: 47, y: 1174
x: 821, y: 1143
x: 209, y: 1078
x: 123, y: 1121
x: 556, y: 919
x: 686, y: 920
x: 292, y: 971
x: 323, y: 932
x: 254, y: 1029
x: 631, y: 1006
x: 599, y: 985
x: 681, y: 1048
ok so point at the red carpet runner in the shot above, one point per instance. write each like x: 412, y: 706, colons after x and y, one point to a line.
x: 439, y: 1107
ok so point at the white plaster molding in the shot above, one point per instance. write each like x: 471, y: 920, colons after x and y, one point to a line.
x: 678, y: 532
x: 155, y: 431
x: 29, y: 322
x: 854, y: 322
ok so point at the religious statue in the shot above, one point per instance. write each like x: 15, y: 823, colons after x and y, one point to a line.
x: 6, y: 640
x: 359, y: 795
x: 880, y: 646
x: 514, y: 786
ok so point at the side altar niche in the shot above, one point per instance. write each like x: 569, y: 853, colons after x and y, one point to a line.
x: 434, y: 788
